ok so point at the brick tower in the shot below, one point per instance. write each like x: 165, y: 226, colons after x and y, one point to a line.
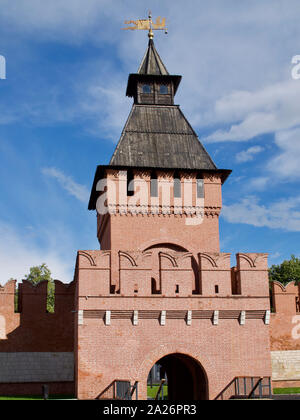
x: 159, y: 290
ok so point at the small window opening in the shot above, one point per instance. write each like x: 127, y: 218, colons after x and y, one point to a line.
x: 216, y: 289
x: 146, y: 89
x: 130, y: 184
x: 177, y: 288
x: 177, y: 186
x: 136, y: 290
x: 200, y: 188
x: 154, y: 186
x: 154, y: 290
x: 163, y: 89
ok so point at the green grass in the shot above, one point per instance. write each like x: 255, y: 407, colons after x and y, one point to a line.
x: 286, y: 391
x: 36, y: 397
x: 151, y: 392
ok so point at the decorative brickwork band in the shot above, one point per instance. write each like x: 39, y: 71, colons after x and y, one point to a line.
x: 174, y: 314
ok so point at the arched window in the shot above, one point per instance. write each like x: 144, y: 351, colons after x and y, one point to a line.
x: 146, y: 89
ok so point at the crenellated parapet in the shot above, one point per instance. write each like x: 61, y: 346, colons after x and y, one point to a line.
x: 7, y: 297
x: 252, y: 274
x: 168, y: 272
x: 215, y: 273
x: 25, y: 323
x: 286, y: 299
x: 285, y: 324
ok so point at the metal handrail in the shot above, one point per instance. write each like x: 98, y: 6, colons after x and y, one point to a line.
x: 241, y: 384
x: 159, y: 388
x: 112, y: 389
x: 255, y: 387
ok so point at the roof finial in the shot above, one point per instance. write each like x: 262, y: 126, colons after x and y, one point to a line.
x: 150, y: 33
x: 147, y: 24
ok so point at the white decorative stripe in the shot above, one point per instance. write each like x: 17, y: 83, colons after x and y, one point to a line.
x: 189, y: 318
x: 267, y: 317
x: 80, y: 317
x: 163, y: 318
x: 216, y: 318
x: 242, y: 318
x: 135, y: 320
x: 107, y: 317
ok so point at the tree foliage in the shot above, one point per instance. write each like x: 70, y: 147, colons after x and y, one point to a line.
x: 38, y: 274
x: 42, y: 273
x: 287, y: 271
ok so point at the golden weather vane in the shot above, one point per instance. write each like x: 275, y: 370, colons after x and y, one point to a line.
x: 147, y: 24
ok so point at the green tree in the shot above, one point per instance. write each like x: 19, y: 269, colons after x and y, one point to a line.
x: 41, y: 273
x: 288, y: 270
x: 38, y: 274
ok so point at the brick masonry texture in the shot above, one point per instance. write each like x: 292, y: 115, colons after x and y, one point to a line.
x: 36, y: 367
x: 109, y: 322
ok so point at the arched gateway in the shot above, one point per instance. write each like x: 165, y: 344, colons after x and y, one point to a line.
x: 159, y: 289
x: 186, y: 378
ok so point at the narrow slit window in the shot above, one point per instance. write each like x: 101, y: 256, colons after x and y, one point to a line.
x: 177, y: 187
x: 154, y: 186
x: 130, y: 184
x: 177, y: 288
x: 216, y: 289
x: 200, y: 188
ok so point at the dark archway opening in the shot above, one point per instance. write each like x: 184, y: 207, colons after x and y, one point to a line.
x: 185, y: 377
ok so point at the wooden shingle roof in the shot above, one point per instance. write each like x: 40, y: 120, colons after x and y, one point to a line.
x: 152, y: 63
x: 160, y: 136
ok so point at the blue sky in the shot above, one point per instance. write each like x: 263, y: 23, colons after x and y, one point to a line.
x: 63, y: 106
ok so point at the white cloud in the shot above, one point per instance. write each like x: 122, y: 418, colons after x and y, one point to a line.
x: 77, y: 190
x: 247, y: 155
x: 196, y: 47
x: 268, y: 110
x: 259, y: 183
x: 286, y: 164
x: 19, y: 252
x: 283, y: 214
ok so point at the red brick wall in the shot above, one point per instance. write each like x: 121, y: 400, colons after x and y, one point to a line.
x: 125, y: 351
x: 35, y: 330
x: 284, y: 327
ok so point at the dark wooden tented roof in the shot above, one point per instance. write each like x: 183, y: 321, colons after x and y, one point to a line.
x: 152, y: 63
x: 155, y: 136
x: 160, y: 136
